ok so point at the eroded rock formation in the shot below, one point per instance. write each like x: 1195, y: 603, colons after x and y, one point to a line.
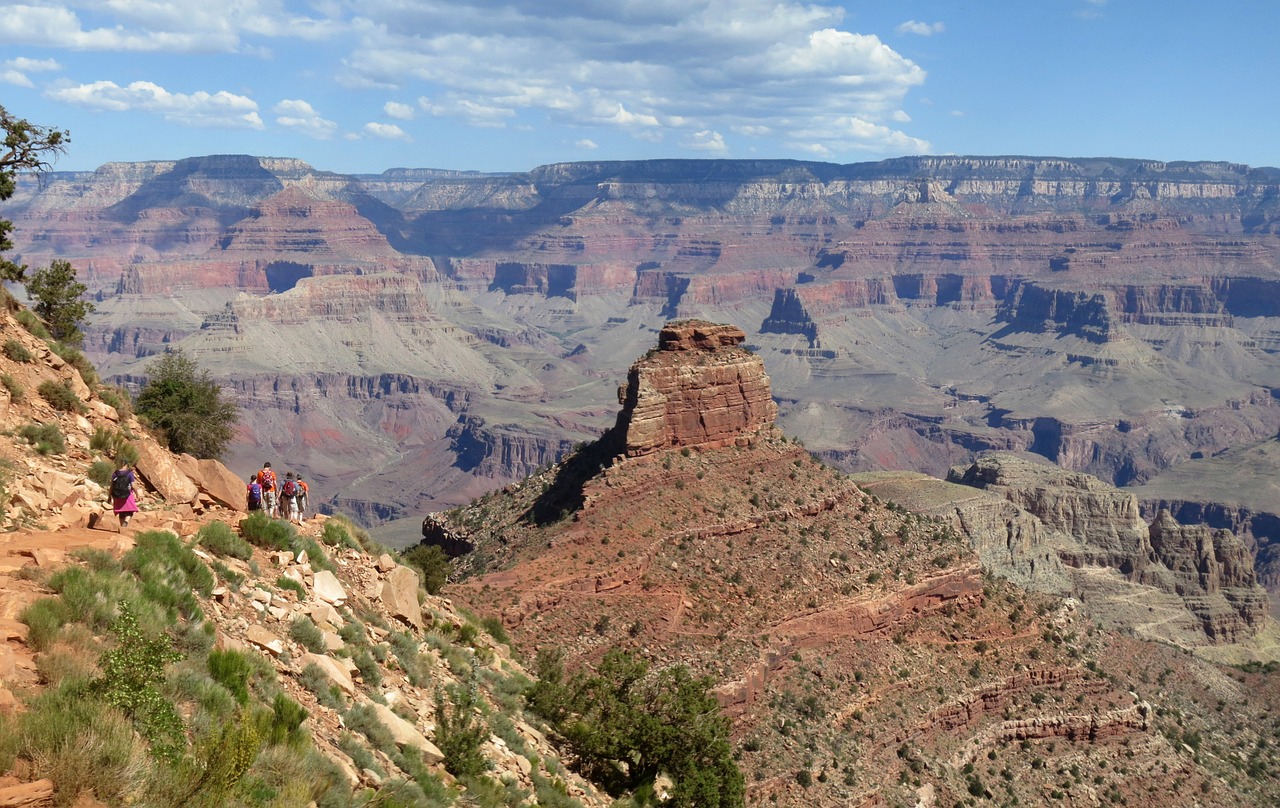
x: 699, y: 388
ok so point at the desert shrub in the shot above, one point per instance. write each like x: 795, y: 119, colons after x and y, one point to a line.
x: 230, y: 576
x: 459, y: 734
x: 663, y: 723
x: 370, y: 673
x: 187, y: 405
x: 335, y: 535
x: 46, y: 438
x: 362, y: 719
x: 82, y: 744
x: 316, y: 555
x: 28, y: 320
x: 16, y: 391
x: 95, y: 597
x: 307, y: 634
x: 290, y: 585
x: 261, y: 530
x: 100, y: 472
x: 219, y: 539
x: 118, y: 398
x: 17, y: 351
x: 494, y: 626
x: 132, y: 673
x: 432, y: 563
x: 44, y: 619
x: 60, y: 396
x: 72, y: 356
x: 284, y: 724
x: 231, y: 669
x: 326, y: 692
x: 352, y: 632
x: 168, y: 571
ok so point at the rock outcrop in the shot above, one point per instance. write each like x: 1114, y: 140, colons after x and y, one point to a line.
x: 1210, y: 571
x: 699, y: 388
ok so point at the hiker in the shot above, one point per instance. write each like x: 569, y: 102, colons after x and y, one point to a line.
x: 267, y: 479
x: 289, y: 498
x: 303, y: 490
x: 124, y: 502
x: 253, y: 494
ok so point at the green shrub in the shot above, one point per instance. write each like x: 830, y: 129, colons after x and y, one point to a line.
x: 307, y: 634
x: 114, y: 445
x: 363, y: 719
x: 432, y: 562
x: 336, y: 535
x: 318, y: 682
x: 16, y: 392
x: 370, y: 673
x: 663, y: 723
x: 168, y: 571
x: 290, y: 585
x: 118, y: 398
x: 17, y: 351
x: 28, y: 320
x: 494, y: 626
x: 44, y: 619
x: 132, y: 673
x: 231, y: 669
x: 316, y: 555
x: 219, y: 539
x: 261, y: 530
x: 47, y: 438
x: 100, y: 472
x: 458, y: 733
x: 187, y: 405
x: 60, y: 396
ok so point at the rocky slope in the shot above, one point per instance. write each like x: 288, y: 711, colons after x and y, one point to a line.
x: 1114, y: 316
x: 862, y: 653
x: 327, y: 621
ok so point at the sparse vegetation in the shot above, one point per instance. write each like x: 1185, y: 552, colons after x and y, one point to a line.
x: 60, y: 396
x: 46, y: 438
x: 17, y: 351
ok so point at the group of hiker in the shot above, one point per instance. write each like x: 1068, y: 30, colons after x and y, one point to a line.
x: 281, y: 499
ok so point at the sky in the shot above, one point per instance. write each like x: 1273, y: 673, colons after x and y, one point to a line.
x: 508, y: 85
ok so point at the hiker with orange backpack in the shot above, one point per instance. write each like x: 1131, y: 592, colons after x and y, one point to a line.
x: 303, y: 490
x: 267, y: 479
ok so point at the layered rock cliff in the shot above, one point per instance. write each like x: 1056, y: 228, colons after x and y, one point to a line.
x: 1211, y: 571
x: 699, y: 388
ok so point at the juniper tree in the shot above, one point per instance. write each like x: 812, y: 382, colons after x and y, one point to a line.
x: 27, y: 147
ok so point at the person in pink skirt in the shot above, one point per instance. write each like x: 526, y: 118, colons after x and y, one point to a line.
x: 124, y: 501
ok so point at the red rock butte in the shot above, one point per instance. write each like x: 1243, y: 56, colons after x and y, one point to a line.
x: 700, y: 388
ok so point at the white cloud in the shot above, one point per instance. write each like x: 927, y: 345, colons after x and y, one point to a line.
x: 182, y: 26
x: 300, y: 116
x: 399, y: 111
x: 900, y: 116
x: 706, y: 140
x: 586, y: 143
x: 771, y: 68
x: 386, y: 131
x: 921, y: 28
x: 201, y: 109
x: 16, y: 78
x: 33, y: 65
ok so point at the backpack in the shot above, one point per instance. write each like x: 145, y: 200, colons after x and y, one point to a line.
x: 121, y: 483
x: 290, y: 489
x: 255, y: 495
x: 267, y: 479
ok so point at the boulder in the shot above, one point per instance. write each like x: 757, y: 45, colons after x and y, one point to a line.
x: 337, y: 674
x: 214, y: 479
x: 400, y: 596
x: 406, y: 734
x: 259, y: 636
x: 328, y: 589
x: 156, y: 466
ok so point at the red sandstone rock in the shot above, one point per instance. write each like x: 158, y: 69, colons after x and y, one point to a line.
x: 701, y: 388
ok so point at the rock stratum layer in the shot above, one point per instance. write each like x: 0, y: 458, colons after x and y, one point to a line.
x: 700, y: 388
x: 1117, y: 317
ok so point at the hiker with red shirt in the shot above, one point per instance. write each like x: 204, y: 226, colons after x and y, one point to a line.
x: 289, y: 497
x: 267, y: 479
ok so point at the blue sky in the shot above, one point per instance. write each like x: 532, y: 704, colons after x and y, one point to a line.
x: 507, y: 85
